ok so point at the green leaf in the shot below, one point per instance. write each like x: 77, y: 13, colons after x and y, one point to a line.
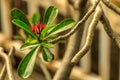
x: 26, y: 66
x: 28, y: 45
x: 64, y: 25
x: 18, y: 14
x: 47, y: 45
x: 50, y: 15
x: 31, y: 40
x: 47, y: 54
x: 46, y: 30
x: 35, y: 18
x: 24, y: 26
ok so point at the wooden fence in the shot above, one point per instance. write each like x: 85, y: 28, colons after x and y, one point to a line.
x: 103, y: 59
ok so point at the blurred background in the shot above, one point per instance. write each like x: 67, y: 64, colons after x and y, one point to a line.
x: 103, y: 59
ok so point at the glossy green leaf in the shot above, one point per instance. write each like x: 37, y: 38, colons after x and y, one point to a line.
x: 46, y: 30
x: 18, y: 14
x: 28, y: 45
x: 50, y: 15
x: 26, y: 66
x: 35, y: 18
x: 31, y: 40
x: 47, y: 54
x: 47, y: 45
x: 24, y: 26
x: 64, y: 25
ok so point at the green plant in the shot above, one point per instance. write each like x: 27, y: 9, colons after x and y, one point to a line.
x: 39, y: 35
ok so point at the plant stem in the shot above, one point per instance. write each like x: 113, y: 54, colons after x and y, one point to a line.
x: 4, y: 71
x: 44, y: 69
x: 76, y: 27
x: 109, y: 31
x: 64, y: 71
x: 7, y: 63
x: 111, y: 6
x: 89, y: 38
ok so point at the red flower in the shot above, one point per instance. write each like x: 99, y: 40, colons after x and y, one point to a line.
x: 38, y: 28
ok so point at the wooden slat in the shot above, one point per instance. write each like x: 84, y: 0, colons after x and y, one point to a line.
x: 95, y: 53
x: 114, y: 61
x: 119, y: 65
x: 85, y: 62
x: 104, y: 54
x: 32, y: 7
x: 5, y: 18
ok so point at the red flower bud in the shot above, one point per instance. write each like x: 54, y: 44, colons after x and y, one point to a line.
x: 38, y: 28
